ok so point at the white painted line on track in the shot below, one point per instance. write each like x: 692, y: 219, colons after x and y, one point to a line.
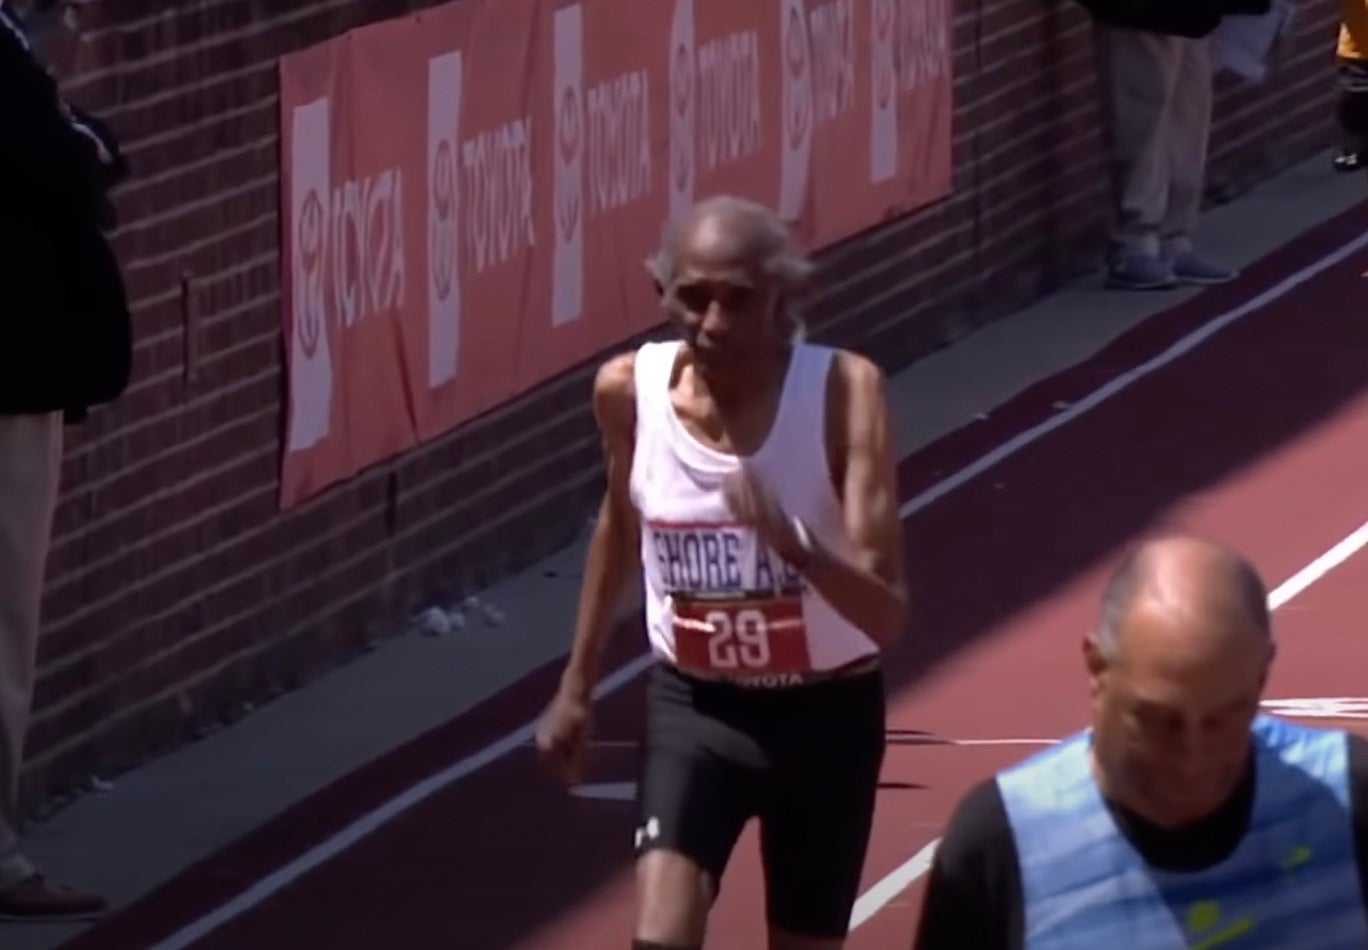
x: 903, y: 876
x: 877, y: 897
x: 1322, y: 707
x: 992, y: 742
x: 969, y: 743
x: 607, y: 791
x: 340, y: 840
x: 1125, y: 380
x: 1318, y: 568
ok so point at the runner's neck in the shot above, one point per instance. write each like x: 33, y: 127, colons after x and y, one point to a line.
x: 733, y: 394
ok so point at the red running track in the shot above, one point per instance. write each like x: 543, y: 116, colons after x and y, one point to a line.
x: 1254, y: 436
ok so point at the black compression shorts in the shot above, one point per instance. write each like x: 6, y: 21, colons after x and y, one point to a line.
x: 804, y: 760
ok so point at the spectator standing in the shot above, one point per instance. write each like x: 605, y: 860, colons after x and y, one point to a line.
x: 1155, y: 61
x: 65, y: 345
x: 1352, y: 74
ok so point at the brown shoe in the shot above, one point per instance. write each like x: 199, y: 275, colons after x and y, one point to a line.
x: 35, y: 899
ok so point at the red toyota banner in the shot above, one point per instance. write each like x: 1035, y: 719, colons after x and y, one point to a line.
x: 470, y: 192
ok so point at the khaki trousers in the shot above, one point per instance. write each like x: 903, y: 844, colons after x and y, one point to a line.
x: 30, y: 466
x: 1157, y: 103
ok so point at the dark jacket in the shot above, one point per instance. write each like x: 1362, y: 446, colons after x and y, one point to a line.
x: 1191, y: 18
x: 65, y: 328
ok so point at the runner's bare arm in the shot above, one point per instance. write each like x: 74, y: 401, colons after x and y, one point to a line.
x: 612, y: 546
x: 869, y: 591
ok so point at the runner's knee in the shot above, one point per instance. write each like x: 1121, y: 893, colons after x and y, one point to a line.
x: 674, y: 896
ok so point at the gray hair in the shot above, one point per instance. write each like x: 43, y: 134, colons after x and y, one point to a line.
x: 1132, y: 577
x: 768, y: 245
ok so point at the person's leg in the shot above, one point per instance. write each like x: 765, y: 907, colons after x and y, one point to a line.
x: 1138, y: 73
x: 30, y: 468
x: 699, y: 780
x: 1188, y: 138
x: 30, y: 456
x: 1351, y: 111
x: 818, y: 812
x: 692, y: 813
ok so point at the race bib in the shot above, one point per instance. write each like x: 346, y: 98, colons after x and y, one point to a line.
x: 741, y: 634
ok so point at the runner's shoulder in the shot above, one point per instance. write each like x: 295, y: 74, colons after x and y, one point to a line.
x: 857, y: 398
x: 979, y: 834
x: 973, y: 896
x: 859, y: 376
x: 615, y: 392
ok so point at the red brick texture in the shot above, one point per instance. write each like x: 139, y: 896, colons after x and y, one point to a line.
x: 178, y: 594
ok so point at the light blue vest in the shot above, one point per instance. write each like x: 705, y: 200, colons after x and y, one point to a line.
x: 1291, y: 884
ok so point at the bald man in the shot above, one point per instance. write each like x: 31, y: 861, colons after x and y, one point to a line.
x: 1183, y: 818
x: 751, y: 477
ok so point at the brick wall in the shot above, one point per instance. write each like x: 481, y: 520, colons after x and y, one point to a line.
x: 178, y: 595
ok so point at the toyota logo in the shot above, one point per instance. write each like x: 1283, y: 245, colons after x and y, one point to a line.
x: 569, y: 125
x: 310, y: 242
x: 444, y: 203
x: 683, y: 80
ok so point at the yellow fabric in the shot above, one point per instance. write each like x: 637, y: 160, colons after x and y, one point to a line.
x: 1353, y: 37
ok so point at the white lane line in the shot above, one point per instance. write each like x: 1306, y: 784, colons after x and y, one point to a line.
x: 1318, y: 568
x: 607, y: 791
x: 334, y: 845
x: 877, y: 897
x: 339, y: 841
x: 990, y: 742
x: 902, y: 877
x: 1321, y: 707
x: 1125, y: 380
x: 936, y: 740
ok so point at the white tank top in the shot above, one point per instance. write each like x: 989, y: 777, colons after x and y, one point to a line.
x: 717, y: 600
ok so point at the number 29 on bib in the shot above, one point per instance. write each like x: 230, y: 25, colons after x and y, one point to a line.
x: 742, y: 636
